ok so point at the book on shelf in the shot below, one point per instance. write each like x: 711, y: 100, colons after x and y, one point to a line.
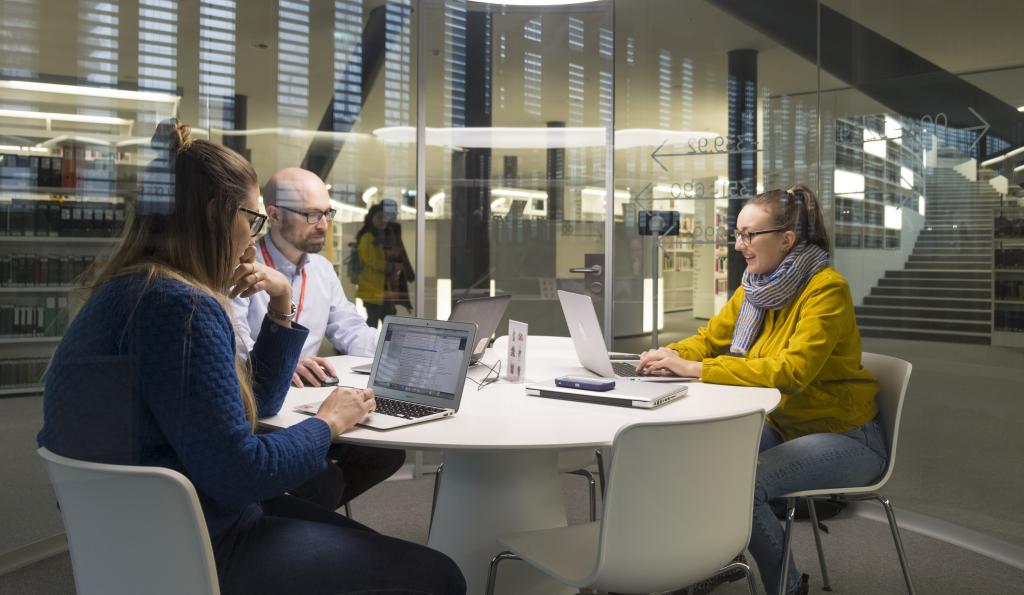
x: 62, y: 218
x: 22, y: 372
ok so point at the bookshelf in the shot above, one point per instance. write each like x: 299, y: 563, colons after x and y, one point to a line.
x: 878, y: 168
x: 1008, y: 277
x: 60, y: 211
x: 677, y: 267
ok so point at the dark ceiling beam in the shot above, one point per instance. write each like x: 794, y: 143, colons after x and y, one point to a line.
x: 885, y: 71
x: 323, y: 152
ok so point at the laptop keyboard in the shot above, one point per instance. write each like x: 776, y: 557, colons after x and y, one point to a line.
x: 625, y: 369
x: 403, y: 409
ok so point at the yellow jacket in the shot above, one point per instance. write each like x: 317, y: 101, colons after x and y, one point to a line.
x: 809, y: 350
x: 374, y: 266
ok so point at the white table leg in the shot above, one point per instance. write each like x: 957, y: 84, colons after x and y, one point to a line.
x: 485, y: 494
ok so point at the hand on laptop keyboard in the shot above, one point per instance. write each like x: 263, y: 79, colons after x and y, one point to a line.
x: 345, y: 407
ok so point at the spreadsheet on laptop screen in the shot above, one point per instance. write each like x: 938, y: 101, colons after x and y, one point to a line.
x: 424, y: 361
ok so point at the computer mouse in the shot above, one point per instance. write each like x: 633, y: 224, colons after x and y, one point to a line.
x: 329, y: 381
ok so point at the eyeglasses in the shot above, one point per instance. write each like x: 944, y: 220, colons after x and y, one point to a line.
x: 256, y: 220
x: 746, y: 236
x: 494, y: 369
x: 313, y: 217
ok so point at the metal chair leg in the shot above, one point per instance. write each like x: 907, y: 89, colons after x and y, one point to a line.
x: 348, y: 510
x: 593, y: 490
x: 813, y: 514
x: 492, y: 571
x: 433, y: 502
x: 898, y: 541
x: 787, y: 546
x: 600, y: 470
x: 751, y: 583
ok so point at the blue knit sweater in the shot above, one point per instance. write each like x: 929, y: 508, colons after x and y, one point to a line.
x: 145, y: 375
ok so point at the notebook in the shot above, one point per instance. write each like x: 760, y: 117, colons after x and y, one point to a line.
x: 418, y: 371
x: 485, y: 312
x: 644, y: 395
x: 590, y: 349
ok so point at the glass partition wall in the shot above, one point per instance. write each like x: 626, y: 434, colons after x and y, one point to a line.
x: 520, y: 145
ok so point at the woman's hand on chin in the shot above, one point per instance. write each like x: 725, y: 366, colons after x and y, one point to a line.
x: 665, y: 360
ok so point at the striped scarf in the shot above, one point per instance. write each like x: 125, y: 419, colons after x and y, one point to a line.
x: 773, y: 291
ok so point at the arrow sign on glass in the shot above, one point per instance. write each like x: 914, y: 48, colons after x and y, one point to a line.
x: 983, y: 128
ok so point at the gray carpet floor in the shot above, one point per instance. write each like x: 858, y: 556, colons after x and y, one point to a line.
x: 860, y: 552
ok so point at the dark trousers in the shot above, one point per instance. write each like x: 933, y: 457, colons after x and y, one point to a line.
x: 355, y: 470
x: 299, y: 547
x: 377, y: 312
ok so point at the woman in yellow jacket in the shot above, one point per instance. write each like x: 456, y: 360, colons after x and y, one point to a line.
x: 791, y: 326
x: 385, y: 271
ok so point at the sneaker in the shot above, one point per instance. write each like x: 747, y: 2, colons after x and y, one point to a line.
x: 710, y: 584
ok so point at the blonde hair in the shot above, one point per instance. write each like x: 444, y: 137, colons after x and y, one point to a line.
x: 796, y: 209
x: 181, y: 227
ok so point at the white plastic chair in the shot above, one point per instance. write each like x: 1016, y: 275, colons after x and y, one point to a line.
x: 893, y: 375
x: 677, y: 511
x: 132, y: 529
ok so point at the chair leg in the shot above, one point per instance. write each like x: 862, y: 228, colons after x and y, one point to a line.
x: 898, y: 541
x: 492, y: 571
x: 787, y: 546
x: 813, y: 514
x: 593, y: 490
x: 751, y: 583
x: 348, y: 510
x: 433, y: 502
x: 600, y: 470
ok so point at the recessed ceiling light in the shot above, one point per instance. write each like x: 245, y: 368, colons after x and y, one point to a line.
x: 106, y: 92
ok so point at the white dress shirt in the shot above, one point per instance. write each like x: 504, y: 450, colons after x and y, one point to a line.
x: 326, y: 312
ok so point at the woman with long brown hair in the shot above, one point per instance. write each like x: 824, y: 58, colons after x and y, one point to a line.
x: 147, y: 374
x: 791, y: 326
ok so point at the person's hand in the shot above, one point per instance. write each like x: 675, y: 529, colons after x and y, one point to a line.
x: 251, y: 277
x: 665, y: 360
x: 344, y: 407
x: 311, y: 369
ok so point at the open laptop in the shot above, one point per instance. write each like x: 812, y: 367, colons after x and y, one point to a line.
x: 485, y: 312
x: 585, y: 331
x: 418, y: 371
x: 645, y: 395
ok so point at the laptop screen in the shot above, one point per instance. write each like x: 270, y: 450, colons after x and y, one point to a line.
x: 422, y: 360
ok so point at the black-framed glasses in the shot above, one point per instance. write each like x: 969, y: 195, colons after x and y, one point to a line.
x: 256, y: 220
x: 313, y: 217
x: 746, y: 236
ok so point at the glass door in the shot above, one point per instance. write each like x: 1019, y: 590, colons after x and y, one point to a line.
x: 516, y: 119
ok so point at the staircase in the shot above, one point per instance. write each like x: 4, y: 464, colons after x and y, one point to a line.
x: 944, y: 291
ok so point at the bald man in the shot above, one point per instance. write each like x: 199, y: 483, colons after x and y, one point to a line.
x: 299, y: 212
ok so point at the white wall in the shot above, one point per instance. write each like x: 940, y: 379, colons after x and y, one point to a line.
x: 863, y: 268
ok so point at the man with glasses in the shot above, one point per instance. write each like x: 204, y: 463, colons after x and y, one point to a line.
x: 300, y: 214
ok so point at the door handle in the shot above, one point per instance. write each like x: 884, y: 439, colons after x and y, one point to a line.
x: 591, y: 270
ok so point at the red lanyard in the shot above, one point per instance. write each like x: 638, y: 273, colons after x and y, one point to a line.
x: 270, y: 262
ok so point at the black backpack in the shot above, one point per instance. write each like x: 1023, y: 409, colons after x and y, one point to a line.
x: 353, y: 266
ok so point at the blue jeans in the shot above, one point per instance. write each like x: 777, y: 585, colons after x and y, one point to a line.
x: 815, y: 461
x: 295, y: 546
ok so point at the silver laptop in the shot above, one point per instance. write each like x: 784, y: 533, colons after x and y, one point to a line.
x: 581, y: 319
x: 645, y: 395
x: 418, y: 371
x: 485, y: 312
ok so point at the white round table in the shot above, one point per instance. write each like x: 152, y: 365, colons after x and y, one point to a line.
x: 501, y: 453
